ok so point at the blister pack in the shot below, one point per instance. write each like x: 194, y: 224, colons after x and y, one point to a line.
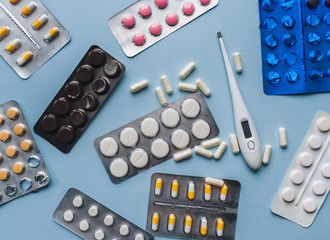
x: 295, y: 40
x: 29, y: 35
x: 187, y: 207
x: 307, y: 182
x: 22, y: 168
x: 154, y: 138
x: 146, y: 22
x: 80, y: 98
x: 89, y: 219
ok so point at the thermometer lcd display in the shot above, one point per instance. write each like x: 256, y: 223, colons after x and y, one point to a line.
x: 246, y: 129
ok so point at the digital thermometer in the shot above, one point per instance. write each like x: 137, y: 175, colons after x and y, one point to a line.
x: 246, y: 132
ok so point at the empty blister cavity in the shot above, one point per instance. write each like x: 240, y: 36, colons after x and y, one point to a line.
x: 149, y: 127
x: 170, y: 117
x: 201, y: 129
x: 180, y: 139
x: 139, y: 158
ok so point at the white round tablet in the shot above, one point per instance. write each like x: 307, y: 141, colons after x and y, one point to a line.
x: 297, y: 177
x: 93, y: 211
x: 190, y: 108
x: 139, y: 158
x: 180, y: 139
x: 68, y: 216
x: 318, y: 188
x: 99, y: 234
x: 314, y: 142
x: 325, y: 169
x: 129, y: 137
x: 309, y: 205
x: 288, y: 194
x: 108, y: 220
x: 323, y: 124
x: 124, y: 230
x: 84, y: 225
x: 160, y: 148
x: 305, y: 159
x: 139, y: 237
x: 170, y: 117
x: 149, y: 127
x: 78, y: 201
x: 201, y: 129
x: 118, y: 168
x: 108, y: 147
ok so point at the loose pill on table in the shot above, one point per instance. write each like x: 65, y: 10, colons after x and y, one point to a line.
x: 139, y: 39
x: 207, y: 192
x: 238, y: 62
x: 180, y: 139
x: 171, y: 222
x: 149, y: 127
x: 160, y: 148
x: 170, y: 117
x: 93, y: 211
x: 51, y: 34
x: 203, y: 228
x: 28, y: 9
x: 191, y: 190
x: 161, y: 3
x: 188, y: 8
x: 118, y: 168
x: 139, y: 158
x: 187, y: 224
x: 155, y: 28
x: 234, y: 143
x: 158, y: 186
x: 203, y: 87
x: 187, y: 87
x: 155, y: 221
x: 175, y: 188
x: 190, y: 108
x: 12, y: 113
x: 179, y: 156
x: 68, y: 216
x: 161, y: 96
x: 138, y: 86
x: 84, y: 225
x: 40, y: 22
x: 172, y: 19
x: 4, y: 31
x: 129, y: 137
x: 187, y: 70
x: 108, y: 220
x: 99, y: 234
x: 124, y: 230
x: 203, y: 152
x: 223, y: 193
x: 220, y: 150
x: 220, y: 227
x: 24, y: 58
x: 211, y: 143
x: 201, y: 129
x: 145, y: 11
x: 167, y: 85
x: 128, y: 21
x: 77, y: 201
x: 283, y: 138
x: 267, y: 154
x: 214, y: 181
x: 109, y: 147
x: 12, y: 46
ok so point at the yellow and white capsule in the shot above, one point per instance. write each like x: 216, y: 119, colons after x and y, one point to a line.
x: 191, y: 190
x: 40, y: 22
x: 175, y: 188
x: 155, y: 221
x: 203, y: 226
x: 220, y: 226
x: 4, y: 31
x: 171, y: 222
x: 223, y: 193
x: 14, y: 2
x: 51, y: 34
x: 207, y: 192
x: 158, y: 186
x: 187, y: 224
x: 13, y: 45
x: 24, y: 58
x: 28, y: 9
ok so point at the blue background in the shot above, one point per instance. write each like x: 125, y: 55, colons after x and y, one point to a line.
x: 30, y: 217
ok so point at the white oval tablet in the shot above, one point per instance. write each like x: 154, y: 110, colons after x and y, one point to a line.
x: 318, y: 188
x: 288, y: 194
x: 77, y: 201
x: 84, y: 225
x: 190, y: 108
x: 124, y: 230
x: 139, y: 158
x: 139, y: 237
x: 99, y: 234
x: 325, y: 169
x: 108, y: 220
x: 118, y: 168
x: 309, y: 205
x: 201, y: 129
x: 129, y: 137
x: 314, y: 142
x: 149, y: 127
x: 93, y: 211
x: 160, y: 148
x: 108, y: 147
x: 323, y: 124
x: 170, y: 117
x: 180, y: 139
x: 297, y: 177
x: 305, y: 159
x: 68, y: 216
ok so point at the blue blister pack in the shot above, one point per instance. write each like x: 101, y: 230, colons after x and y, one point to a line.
x: 295, y: 39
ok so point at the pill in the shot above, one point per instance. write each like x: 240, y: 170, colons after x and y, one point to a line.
x: 65, y: 134
x: 118, y: 168
x: 187, y: 224
x: 203, y: 229
x: 28, y: 9
x: 305, y: 159
x: 24, y: 58
x: 145, y: 11
x: 129, y: 137
x: 139, y: 158
x: 318, y: 188
x: 124, y: 230
x: 288, y: 195
x: 77, y: 201
x: 158, y: 186
x: 51, y: 34
x: 149, y: 127
x: 12, y: 46
x: 223, y: 193
x: 19, y: 129
x: 161, y: 96
x: 100, y: 85
x: 314, y: 142
x: 180, y: 139
x: 267, y: 154
x: 40, y: 22
x: 187, y: 87
x: 4, y: 174
x: 207, y: 192
x: 161, y: 3
x: 68, y: 216
x: 84, y: 225
x: 175, y: 188
x: 203, y: 152
x: 128, y: 21
x: 234, y: 144
x: 109, y: 147
x: 313, y: 3
x: 11, y: 151
x: 190, y: 108
x: 167, y: 85
x: 12, y: 113
x: 181, y: 155
x: 323, y: 124
x: 171, y: 222
x: 297, y: 177
x: 325, y: 169
x: 14, y: 2
x: 4, y: 31
x: 283, y: 137
x: 205, y: 2
x: 155, y: 28
x: 5, y: 136
x: 172, y: 19
x: 201, y: 129
x: 309, y: 205
x: 139, y: 236
x: 203, y: 87
x: 160, y: 148
x: 238, y: 62
x: 138, y: 86
x: 188, y: 8
x: 93, y: 211
x: 18, y: 168
x: 220, y: 150
x: 99, y: 234
x: 220, y: 227
x: 211, y: 143
x: 155, y: 221
x: 2, y: 120
x: 191, y: 190
x: 108, y: 220
x: 187, y: 70
x: 139, y: 39
x: 214, y: 181
x: 170, y: 117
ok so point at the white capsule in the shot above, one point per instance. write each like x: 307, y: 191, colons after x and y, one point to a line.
x: 167, y: 85
x: 202, y: 86
x: 187, y: 87
x: 234, y: 143
x: 139, y: 85
x: 24, y: 58
x: 267, y: 153
x: 214, y: 181
x: 171, y: 222
x: 179, y: 156
x: 220, y: 150
x: 161, y: 96
x: 203, y: 152
x: 187, y: 70
x: 238, y: 62
x: 40, y: 22
x: 51, y: 34
x: 283, y: 137
x: 211, y: 143
x: 155, y: 221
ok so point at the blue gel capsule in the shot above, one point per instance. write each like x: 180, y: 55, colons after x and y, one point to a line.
x: 287, y: 4
x: 292, y: 76
x: 291, y: 58
x: 272, y: 59
x: 313, y: 20
x: 289, y: 39
x: 315, y: 56
x: 271, y: 41
x: 317, y: 75
x: 269, y: 5
x: 288, y: 22
x: 327, y: 37
x: 270, y: 23
x: 273, y: 77
x: 327, y: 19
x: 313, y: 38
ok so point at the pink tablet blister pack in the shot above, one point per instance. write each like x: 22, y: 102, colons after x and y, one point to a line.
x: 147, y: 21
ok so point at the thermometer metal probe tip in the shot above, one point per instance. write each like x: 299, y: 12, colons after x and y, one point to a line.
x: 219, y: 34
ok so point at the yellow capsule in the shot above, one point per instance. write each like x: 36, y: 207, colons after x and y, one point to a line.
x: 28, y: 9
x: 220, y: 226
x: 171, y: 222
x: 187, y: 224
x: 24, y: 58
x: 155, y: 221
x: 191, y: 190
x: 175, y: 188
x: 207, y: 192
x: 52, y: 34
x: 158, y: 187
x: 223, y: 193
x: 14, y: 1
x: 4, y: 31
x: 40, y: 22
x: 13, y: 45
x: 203, y: 226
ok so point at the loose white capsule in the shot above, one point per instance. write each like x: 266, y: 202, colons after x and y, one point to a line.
x: 220, y: 150
x: 24, y: 58
x: 167, y: 85
x: 207, y: 192
x: 214, y: 181
x: 28, y: 9
x: 51, y: 34
x: 13, y: 45
x: 171, y: 222
x: 158, y: 186
x: 4, y: 31
x: 220, y: 226
x: 40, y: 22
x: 187, y: 224
x: 234, y: 143
x: 175, y: 188
x: 211, y: 143
x: 203, y: 152
x: 187, y: 87
x: 191, y: 190
x: 179, y: 156
x: 187, y: 70
x: 283, y: 137
x: 203, y: 226
x: 155, y: 221
x: 238, y: 62
x: 223, y: 193
x: 267, y: 153
x: 161, y: 96
x: 202, y: 86
x: 138, y: 86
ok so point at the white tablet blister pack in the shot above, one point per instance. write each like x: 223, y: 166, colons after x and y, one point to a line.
x: 307, y: 181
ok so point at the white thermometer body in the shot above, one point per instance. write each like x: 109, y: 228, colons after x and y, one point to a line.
x: 246, y: 131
